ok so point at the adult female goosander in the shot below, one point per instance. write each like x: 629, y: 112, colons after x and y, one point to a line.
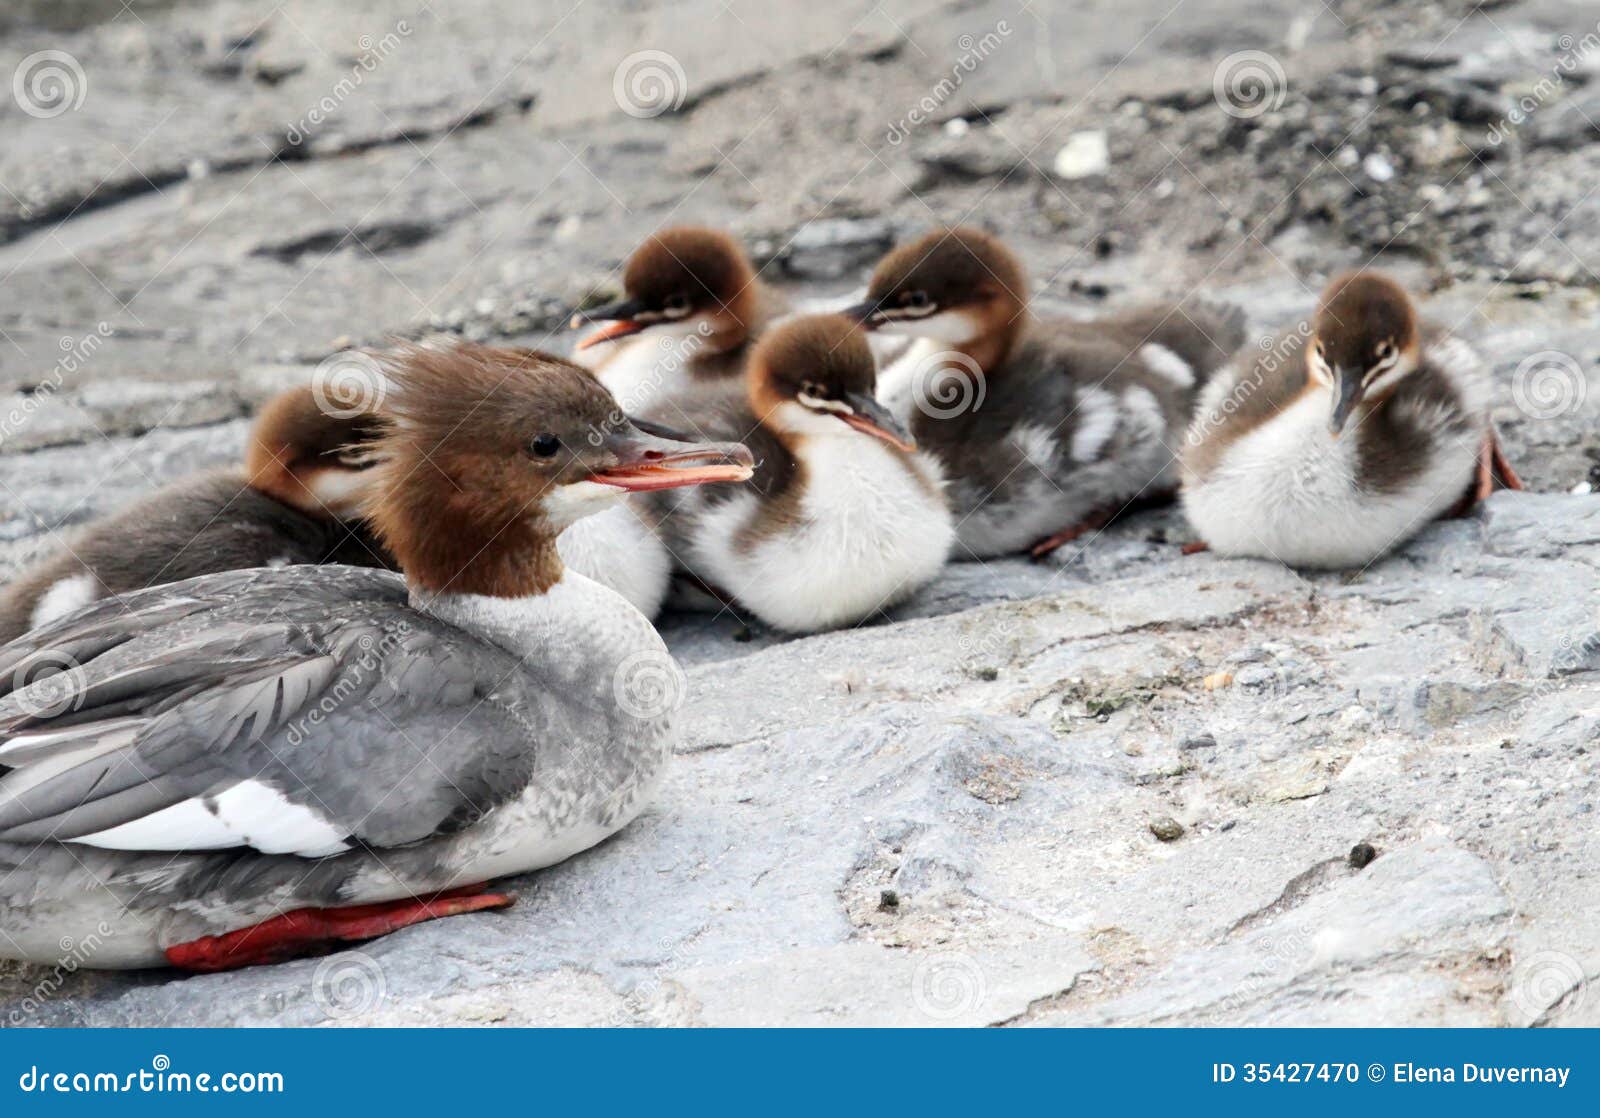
x: 842, y: 517
x: 1328, y: 450
x: 683, y: 334
x: 1044, y: 428
x: 295, y: 500
x: 247, y: 766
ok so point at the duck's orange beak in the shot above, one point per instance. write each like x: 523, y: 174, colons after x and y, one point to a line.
x: 650, y: 462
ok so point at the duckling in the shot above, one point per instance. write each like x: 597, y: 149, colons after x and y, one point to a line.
x: 295, y: 500
x: 1340, y: 442
x: 842, y: 518
x: 1045, y: 428
x: 693, y: 306
x: 253, y: 765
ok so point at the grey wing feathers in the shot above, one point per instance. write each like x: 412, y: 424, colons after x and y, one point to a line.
x: 1203, y: 334
x: 253, y: 708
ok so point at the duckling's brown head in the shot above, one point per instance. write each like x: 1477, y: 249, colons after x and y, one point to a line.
x: 1365, y: 339
x: 312, y: 454
x: 683, y: 281
x: 492, y: 452
x: 951, y: 285
x: 816, y: 376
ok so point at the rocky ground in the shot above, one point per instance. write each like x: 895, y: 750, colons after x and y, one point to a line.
x: 1126, y: 788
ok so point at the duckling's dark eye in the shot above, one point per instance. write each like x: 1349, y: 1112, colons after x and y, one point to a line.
x: 915, y: 299
x: 812, y: 388
x: 1384, y: 351
x: 676, y: 304
x: 543, y: 446
x: 1321, y: 353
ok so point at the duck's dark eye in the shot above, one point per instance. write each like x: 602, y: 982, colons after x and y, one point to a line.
x: 1384, y: 350
x: 676, y: 304
x: 543, y: 446
x: 915, y: 298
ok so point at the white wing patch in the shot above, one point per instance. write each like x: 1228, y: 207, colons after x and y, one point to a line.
x: 1144, y: 411
x: 1097, y: 422
x: 1037, y: 445
x: 65, y: 596
x: 1165, y: 363
x: 247, y: 814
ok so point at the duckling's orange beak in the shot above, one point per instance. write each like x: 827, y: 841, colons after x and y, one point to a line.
x: 872, y: 418
x: 610, y: 332
x: 650, y: 462
x: 621, y: 319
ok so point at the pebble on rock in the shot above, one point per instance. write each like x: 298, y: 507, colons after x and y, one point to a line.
x: 1083, y: 155
x: 1166, y: 828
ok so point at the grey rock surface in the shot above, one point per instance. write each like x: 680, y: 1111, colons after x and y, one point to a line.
x: 944, y: 815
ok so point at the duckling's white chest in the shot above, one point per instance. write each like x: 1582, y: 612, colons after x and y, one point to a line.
x: 641, y: 373
x: 870, y: 526
x: 1288, y: 490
